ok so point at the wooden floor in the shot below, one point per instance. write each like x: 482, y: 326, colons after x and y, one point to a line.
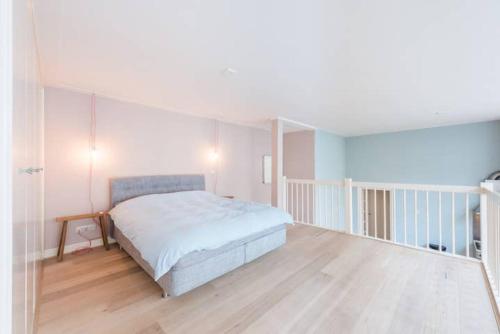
x: 321, y: 281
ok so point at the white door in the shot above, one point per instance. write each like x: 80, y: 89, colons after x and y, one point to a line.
x: 27, y: 148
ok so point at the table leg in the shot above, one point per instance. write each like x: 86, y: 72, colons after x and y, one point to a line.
x: 62, y: 241
x: 104, y: 233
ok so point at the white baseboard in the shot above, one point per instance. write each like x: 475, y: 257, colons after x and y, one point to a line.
x: 52, y: 252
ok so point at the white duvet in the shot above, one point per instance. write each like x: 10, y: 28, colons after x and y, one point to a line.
x: 165, y: 227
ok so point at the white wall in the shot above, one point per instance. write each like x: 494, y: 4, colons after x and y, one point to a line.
x: 138, y: 140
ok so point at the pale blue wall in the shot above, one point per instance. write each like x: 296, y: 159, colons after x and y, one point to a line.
x: 330, y: 156
x: 456, y: 155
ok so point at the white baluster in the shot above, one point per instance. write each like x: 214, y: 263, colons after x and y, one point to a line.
x: 385, y: 217
x: 302, y: 202
x: 440, y: 223
x: 427, y: 218
x: 393, y: 216
x: 365, y: 225
x: 467, y: 241
x: 416, y: 217
x: 404, y: 217
x: 453, y: 250
x: 375, y: 210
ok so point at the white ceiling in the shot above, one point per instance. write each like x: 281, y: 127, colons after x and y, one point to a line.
x: 349, y: 66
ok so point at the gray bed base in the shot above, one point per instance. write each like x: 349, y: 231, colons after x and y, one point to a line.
x: 196, y: 268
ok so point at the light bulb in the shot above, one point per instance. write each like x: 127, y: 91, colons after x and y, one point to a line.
x: 94, y: 153
x: 213, y: 156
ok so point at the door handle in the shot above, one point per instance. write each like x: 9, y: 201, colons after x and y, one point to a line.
x: 30, y: 170
x: 26, y: 170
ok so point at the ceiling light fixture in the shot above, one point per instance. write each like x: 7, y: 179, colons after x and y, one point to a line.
x: 229, y: 71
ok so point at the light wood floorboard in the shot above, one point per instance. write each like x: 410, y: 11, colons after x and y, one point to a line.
x: 319, y: 282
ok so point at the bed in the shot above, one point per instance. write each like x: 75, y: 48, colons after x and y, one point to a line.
x: 183, y: 236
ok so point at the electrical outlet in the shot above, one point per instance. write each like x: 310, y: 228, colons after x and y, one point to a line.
x: 85, y: 228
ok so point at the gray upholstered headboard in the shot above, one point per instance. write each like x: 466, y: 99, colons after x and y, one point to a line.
x: 126, y: 188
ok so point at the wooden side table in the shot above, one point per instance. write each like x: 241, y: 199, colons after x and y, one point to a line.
x: 103, y: 219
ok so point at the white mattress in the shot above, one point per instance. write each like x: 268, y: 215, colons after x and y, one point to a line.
x: 165, y: 227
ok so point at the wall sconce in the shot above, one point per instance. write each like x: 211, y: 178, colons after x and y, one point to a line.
x: 94, y: 154
x: 213, y: 156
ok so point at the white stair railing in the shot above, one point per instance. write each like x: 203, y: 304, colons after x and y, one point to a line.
x: 318, y: 203
x: 430, y: 217
x: 490, y: 236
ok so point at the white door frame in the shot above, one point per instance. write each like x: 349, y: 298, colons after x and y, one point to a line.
x: 277, y: 136
x: 277, y: 163
x: 6, y: 105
